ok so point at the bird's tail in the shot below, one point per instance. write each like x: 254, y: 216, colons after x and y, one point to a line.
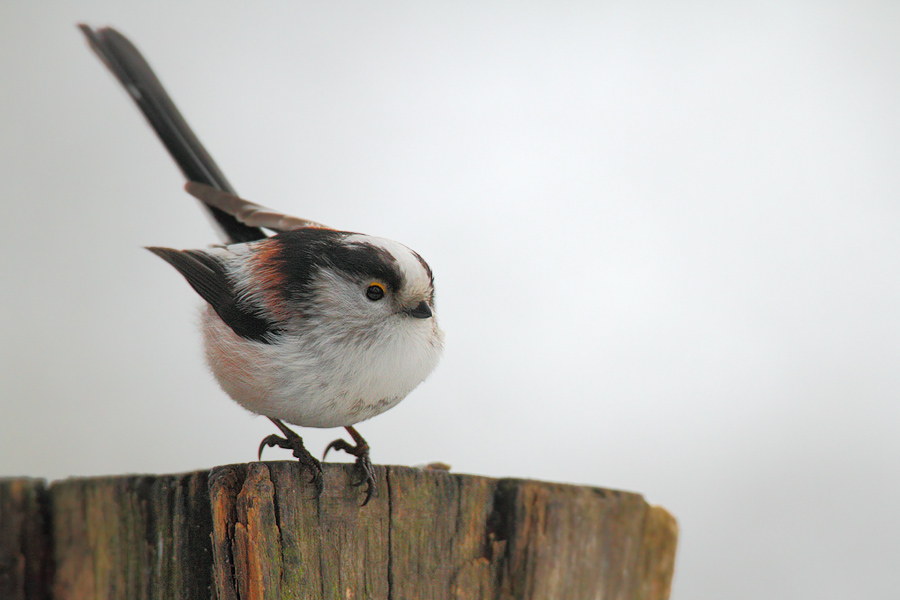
x: 141, y: 83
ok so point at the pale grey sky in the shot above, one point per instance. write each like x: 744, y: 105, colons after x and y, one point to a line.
x: 666, y: 238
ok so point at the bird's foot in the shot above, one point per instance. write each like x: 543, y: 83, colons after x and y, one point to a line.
x: 363, y: 463
x: 292, y: 441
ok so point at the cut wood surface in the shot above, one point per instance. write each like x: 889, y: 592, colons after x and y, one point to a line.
x: 258, y: 531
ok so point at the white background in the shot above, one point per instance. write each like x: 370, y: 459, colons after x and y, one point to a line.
x: 666, y: 239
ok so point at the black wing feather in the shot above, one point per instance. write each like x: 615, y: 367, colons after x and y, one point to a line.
x: 135, y: 74
x: 208, y: 277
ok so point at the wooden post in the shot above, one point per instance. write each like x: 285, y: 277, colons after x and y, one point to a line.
x: 258, y: 531
x: 24, y: 540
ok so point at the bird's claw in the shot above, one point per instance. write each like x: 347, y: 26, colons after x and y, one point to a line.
x: 363, y: 463
x: 295, y: 444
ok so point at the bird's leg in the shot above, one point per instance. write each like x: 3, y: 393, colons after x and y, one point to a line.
x: 363, y: 464
x: 292, y: 441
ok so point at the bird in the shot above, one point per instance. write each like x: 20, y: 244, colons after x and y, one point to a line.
x: 311, y: 326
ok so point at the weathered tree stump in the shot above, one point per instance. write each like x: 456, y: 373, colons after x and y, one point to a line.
x: 258, y: 531
x: 24, y: 540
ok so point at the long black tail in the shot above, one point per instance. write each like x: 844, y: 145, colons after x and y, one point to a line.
x: 135, y: 74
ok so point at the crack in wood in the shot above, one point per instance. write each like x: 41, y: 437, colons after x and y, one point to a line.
x: 257, y: 531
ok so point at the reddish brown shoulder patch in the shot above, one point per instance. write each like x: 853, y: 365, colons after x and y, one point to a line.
x: 268, y: 271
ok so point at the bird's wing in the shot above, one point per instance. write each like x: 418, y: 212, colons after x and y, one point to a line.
x: 209, y: 278
x: 247, y: 212
x: 135, y: 74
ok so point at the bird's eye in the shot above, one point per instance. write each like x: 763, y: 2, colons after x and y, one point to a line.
x: 375, y: 292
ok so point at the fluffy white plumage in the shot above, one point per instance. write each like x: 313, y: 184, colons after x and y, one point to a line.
x: 342, y: 359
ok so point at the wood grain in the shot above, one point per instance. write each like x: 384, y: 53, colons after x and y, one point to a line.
x: 258, y: 531
x: 24, y: 540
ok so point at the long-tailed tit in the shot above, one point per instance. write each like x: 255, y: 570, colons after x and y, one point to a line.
x: 313, y: 326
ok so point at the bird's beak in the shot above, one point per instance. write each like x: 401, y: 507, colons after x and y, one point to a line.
x: 420, y: 311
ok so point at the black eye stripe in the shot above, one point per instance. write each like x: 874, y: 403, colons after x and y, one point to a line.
x: 366, y: 260
x: 304, y: 252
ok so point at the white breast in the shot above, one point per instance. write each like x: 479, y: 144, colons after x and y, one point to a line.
x: 319, y: 378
